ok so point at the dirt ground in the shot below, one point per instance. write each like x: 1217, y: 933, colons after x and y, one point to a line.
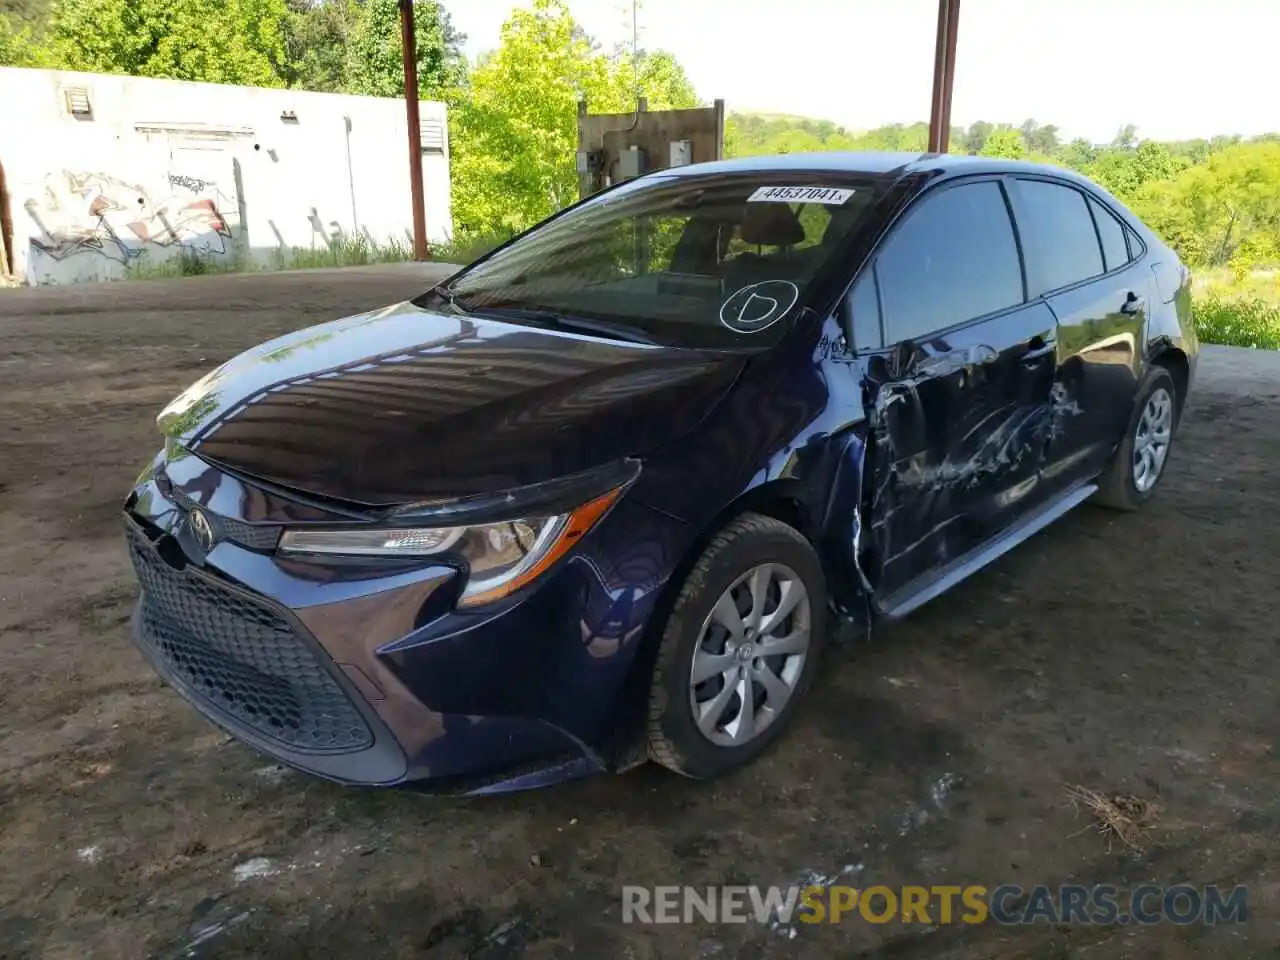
x: 1131, y: 654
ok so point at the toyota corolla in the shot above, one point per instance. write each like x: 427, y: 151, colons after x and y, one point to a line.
x: 602, y: 495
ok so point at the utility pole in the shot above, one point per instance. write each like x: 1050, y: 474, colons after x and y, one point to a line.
x: 944, y: 75
x: 409, y: 50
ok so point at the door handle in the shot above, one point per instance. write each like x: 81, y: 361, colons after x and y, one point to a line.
x: 1132, y: 303
x: 1039, y: 347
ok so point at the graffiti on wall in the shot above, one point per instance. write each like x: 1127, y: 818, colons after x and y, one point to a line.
x: 109, y: 217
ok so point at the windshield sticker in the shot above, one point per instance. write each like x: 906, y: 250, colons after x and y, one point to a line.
x: 833, y: 196
x: 759, y: 305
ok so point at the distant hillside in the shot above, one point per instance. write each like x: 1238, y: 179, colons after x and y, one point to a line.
x: 752, y: 133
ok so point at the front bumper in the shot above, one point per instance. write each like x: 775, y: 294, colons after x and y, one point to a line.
x: 252, y: 669
x: 365, y: 673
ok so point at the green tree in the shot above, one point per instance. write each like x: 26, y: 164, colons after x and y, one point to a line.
x: 658, y: 76
x: 1004, y: 142
x: 28, y: 15
x: 1126, y: 138
x: 515, y: 137
x: 1225, y: 210
x: 1124, y: 172
x: 375, y: 61
x: 221, y: 41
x: 1040, y: 139
x: 14, y: 44
x: 1078, y: 154
x: 976, y: 136
x: 515, y: 134
x: 317, y: 36
x: 895, y: 136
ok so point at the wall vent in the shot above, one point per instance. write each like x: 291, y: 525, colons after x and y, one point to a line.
x: 432, y: 136
x: 78, y: 102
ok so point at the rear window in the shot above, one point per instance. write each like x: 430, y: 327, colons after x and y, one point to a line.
x: 715, y: 260
x: 1058, y: 236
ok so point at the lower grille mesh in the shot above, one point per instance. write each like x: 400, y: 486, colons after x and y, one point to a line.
x: 243, y: 660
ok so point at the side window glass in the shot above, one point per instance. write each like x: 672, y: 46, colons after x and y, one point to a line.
x: 953, y: 259
x: 1058, y: 236
x: 1115, y: 250
x: 864, y: 305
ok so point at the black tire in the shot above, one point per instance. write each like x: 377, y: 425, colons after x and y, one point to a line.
x: 1116, y: 487
x: 674, y: 739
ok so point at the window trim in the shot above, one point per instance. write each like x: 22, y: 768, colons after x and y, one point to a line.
x: 873, y: 257
x: 1090, y: 202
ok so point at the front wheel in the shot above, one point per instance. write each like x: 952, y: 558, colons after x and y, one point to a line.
x: 739, y: 650
x: 1138, y: 463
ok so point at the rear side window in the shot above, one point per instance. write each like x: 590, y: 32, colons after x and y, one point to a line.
x: 1115, y: 251
x: 1058, y: 236
x: 954, y: 258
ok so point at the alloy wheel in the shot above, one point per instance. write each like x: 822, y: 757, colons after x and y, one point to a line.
x: 750, y: 655
x: 1151, y: 439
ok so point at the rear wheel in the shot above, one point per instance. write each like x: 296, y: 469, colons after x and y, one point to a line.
x: 739, y: 650
x: 1139, y: 462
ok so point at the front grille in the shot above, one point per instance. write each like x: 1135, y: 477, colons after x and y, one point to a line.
x: 254, y: 536
x: 242, y: 659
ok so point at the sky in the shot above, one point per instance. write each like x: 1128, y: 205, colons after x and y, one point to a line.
x: 1177, y: 69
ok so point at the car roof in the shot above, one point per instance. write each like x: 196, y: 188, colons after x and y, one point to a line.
x: 886, y: 164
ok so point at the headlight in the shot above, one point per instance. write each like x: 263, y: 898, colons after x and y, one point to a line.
x: 501, y: 557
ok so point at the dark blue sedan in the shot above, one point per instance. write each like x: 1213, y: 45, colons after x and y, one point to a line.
x: 602, y: 495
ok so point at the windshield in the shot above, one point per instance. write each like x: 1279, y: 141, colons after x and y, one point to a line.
x: 724, y: 260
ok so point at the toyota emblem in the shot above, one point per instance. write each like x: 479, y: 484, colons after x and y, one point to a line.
x: 202, y: 530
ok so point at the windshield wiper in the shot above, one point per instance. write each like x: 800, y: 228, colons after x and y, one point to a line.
x: 447, y: 294
x: 554, y: 318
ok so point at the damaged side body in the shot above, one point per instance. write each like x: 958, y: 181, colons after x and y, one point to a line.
x: 978, y: 434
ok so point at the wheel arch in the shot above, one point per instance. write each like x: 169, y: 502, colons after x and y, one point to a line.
x: 782, y: 499
x: 1176, y: 361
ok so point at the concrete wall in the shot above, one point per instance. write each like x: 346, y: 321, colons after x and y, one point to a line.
x: 164, y: 168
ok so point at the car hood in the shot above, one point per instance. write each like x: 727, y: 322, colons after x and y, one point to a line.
x: 405, y: 404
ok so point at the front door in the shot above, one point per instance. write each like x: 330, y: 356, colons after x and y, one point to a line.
x: 957, y: 394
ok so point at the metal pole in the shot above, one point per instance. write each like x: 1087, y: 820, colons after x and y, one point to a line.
x: 953, y: 31
x: 944, y: 70
x: 409, y: 52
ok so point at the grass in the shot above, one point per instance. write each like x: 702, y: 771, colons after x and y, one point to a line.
x: 1238, y: 309
x: 357, y: 251
x: 465, y: 249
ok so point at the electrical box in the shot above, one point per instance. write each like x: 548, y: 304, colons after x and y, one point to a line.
x: 590, y: 161
x: 618, y: 147
x: 632, y: 162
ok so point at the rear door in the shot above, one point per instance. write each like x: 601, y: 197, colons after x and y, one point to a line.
x: 1083, y: 262
x: 958, y: 385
